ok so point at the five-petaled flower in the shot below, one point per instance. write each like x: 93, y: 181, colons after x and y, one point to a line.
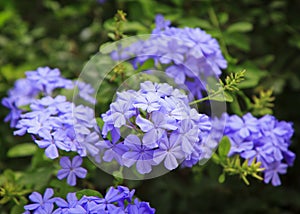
x: 42, y: 204
x: 71, y: 169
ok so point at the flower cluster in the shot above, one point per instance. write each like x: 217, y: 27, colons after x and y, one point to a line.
x: 151, y: 126
x: 117, y: 200
x: 44, y: 80
x: 265, y: 139
x: 53, y: 121
x: 189, y: 55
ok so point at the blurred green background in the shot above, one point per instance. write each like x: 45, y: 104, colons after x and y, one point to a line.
x: 261, y: 36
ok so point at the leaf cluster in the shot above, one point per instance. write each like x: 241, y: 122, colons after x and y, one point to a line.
x: 234, y: 166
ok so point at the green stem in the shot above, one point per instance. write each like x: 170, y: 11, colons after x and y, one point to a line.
x: 221, y: 90
x: 214, y: 19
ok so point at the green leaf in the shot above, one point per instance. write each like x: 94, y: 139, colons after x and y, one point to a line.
x: 216, y: 158
x: 224, y: 147
x: 252, y: 76
x: 219, y: 97
x: 135, y: 26
x: 88, y: 192
x: 238, y: 40
x: 195, y: 22
x: 38, y: 178
x: 240, y: 27
x: 228, y: 97
x: 5, y: 16
x: 221, y: 178
x: 22, y: 150
x: 100, y: 122
x: 18, y: 208
x: 236, y: 109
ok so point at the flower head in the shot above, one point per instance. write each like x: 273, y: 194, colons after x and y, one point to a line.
x: 71, y: 169
x: 154, y: 125
x: 265, y: 139
x: 190, y: 55
x: 42, y: 204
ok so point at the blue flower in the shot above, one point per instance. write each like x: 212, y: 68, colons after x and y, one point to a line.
x: 140, y: 207
x: 187, y: 135
x: 15, y: 112
x: 272, y: 171
x: 244, y: 126
x: 155, y: 128
x: 46, y: 80
x: 111, y: 196
x: 112, y: 150
x: 174, y: 51
x: 149, y: 103
x: 160, y: 24
x: 170, y: 151
x: 266, y: 139
x: 139, y: 154
x: 145, y: 117
x: 238, y: 145
x: 117, y: 200
x: 162, y: 90
x: 120, y: 113
x: 86, y: 92
x: 65, y: 206
x: 71, y: 169
x: 190, y: 55
x: 42, y: 204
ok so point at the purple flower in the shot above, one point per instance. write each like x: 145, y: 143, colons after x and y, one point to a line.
x: 190, y: 55
x: 149, y: 103
x: 22, y: 94
x: 154, y: 129
x: 174, y: 51
x: 46, y: 79
x: 111, y: 196
x: 265, y: 139
x: 14, y: 114
x: 71, y: 169
x: 65, y: 206
x: 177, y: 73
x: 245, y: 126
x: 112, y: 151
x: 120, y: 112
x: 238, y: 145
x: 140, y: 207
x: 160, y: 23
x: 117, y: 200
x: 139, y: 154
x: 144, y: 118
x: 42, y: 204
x: 50, y: 144
x: 272, y: 171
x: 170, y: 151
x: 187, y: 135
x: 160, y: 90
x: 86, y: 92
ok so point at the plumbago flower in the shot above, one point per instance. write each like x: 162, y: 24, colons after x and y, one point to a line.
x: 116, y: 200
x: 266, y: 139
x: 189, y: 55
x: 71, y: 169
x: 41, y: 204
x: 54, y: 122
x: 152, y: 126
